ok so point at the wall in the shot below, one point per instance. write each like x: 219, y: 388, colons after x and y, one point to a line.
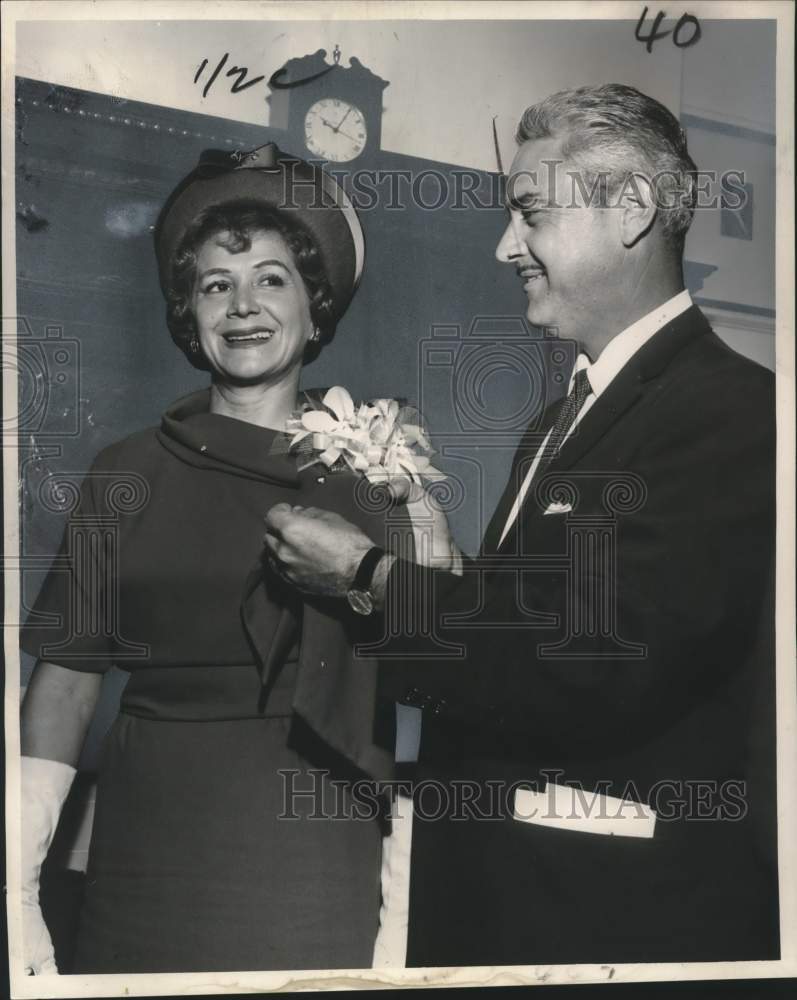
x: 447, y: 79
x: 730, y: 75
x: 728, y: 107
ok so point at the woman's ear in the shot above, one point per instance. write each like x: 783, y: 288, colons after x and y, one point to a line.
x: 636, y: 203
x: 313, y: 345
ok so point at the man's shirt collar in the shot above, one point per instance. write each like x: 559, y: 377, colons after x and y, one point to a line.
x: 621, y: 348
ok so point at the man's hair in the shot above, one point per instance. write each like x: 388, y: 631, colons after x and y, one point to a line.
x: 613, y: 132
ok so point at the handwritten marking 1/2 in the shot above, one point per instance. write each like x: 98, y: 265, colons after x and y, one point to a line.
x: 240, y: 71
x: 654, y: 35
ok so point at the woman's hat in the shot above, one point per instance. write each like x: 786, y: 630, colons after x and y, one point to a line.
x: 282, y: 182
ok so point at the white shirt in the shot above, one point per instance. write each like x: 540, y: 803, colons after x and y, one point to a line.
x: 615, y: 355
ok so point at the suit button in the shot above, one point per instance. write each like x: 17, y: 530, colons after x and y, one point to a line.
x: 411, y: 696
x: 322, y: 664
x: 439, y: 706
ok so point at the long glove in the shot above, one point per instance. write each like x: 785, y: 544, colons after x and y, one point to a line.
x: 45, y: 786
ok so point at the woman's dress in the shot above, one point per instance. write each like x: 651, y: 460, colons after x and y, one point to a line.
x: 224, y: 837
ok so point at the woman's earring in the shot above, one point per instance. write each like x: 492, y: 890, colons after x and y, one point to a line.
x: 193, y: 344
x: 315, y: 336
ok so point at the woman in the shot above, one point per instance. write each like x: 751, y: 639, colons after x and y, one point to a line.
x: 239, y: 700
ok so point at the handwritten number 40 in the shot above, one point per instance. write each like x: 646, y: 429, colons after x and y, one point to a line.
x: 677, y: 33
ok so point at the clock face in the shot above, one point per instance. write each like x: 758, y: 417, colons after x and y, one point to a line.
x: 335, y: 130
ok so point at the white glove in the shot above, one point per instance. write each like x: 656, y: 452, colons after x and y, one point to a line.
x: 45, y: 786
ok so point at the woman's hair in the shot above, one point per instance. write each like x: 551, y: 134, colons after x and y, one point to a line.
x: 238, y: 222
x: 616, y: 131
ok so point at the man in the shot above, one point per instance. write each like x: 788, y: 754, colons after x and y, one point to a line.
x: 616, y: 628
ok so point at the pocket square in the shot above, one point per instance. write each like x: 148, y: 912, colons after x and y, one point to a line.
x: 558, y: 508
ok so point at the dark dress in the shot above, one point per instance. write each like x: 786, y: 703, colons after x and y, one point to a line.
x: 201, y: 858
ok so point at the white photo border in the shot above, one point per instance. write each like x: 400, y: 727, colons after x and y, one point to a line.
x: 245, y: 982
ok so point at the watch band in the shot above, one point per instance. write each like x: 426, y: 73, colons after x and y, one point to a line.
x: 365, y: 571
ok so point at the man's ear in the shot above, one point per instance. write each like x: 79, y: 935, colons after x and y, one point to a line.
x: 636, y: 203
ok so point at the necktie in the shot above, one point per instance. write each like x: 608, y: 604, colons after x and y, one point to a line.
x: 568, y: 411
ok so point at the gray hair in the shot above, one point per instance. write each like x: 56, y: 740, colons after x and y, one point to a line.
x: 617, y: 131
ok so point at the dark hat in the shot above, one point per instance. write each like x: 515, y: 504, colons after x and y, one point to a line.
x: 281, y: 182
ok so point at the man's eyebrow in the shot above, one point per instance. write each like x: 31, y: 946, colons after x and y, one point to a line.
x: 524, y: 202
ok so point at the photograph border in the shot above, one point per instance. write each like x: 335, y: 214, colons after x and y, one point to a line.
x: 244, y: 982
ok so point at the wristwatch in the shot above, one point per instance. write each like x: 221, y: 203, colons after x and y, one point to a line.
x: 359, y: 594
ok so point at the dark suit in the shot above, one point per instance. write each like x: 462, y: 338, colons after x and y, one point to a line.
x: 657, y: 687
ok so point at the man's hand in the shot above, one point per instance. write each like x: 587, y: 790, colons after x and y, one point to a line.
x: 315, y: 550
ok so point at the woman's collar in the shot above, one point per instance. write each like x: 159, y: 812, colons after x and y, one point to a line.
x: 211, y: 440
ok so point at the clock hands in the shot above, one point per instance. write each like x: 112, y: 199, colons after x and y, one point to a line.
x: 343, y: 119
x: 340, y: 151
x: 336, y: 128
x: 347, y: 136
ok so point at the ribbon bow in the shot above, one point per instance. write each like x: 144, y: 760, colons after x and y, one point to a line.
x: 217, y: 161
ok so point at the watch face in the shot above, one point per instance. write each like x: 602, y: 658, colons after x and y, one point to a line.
x: 335, y: 130
x: 360, y: 601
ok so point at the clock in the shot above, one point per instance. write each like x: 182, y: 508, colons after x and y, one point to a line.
x: 328, y: 111
x: 335, y: 130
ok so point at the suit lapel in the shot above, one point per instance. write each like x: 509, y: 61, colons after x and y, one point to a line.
x: 629, y: 384
x: 622, y: 393
x: 530, y: 442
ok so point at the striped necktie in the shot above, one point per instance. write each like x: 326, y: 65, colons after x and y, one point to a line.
x: 566, y: 415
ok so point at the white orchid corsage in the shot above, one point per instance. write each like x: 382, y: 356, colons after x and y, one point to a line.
x: 379, y: 440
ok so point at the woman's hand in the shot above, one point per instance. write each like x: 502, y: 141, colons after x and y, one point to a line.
x: 45, y: 785
x: 37, y: 947
x: 56, y: 713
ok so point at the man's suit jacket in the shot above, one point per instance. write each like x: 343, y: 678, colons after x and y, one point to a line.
x: 627, y: 649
